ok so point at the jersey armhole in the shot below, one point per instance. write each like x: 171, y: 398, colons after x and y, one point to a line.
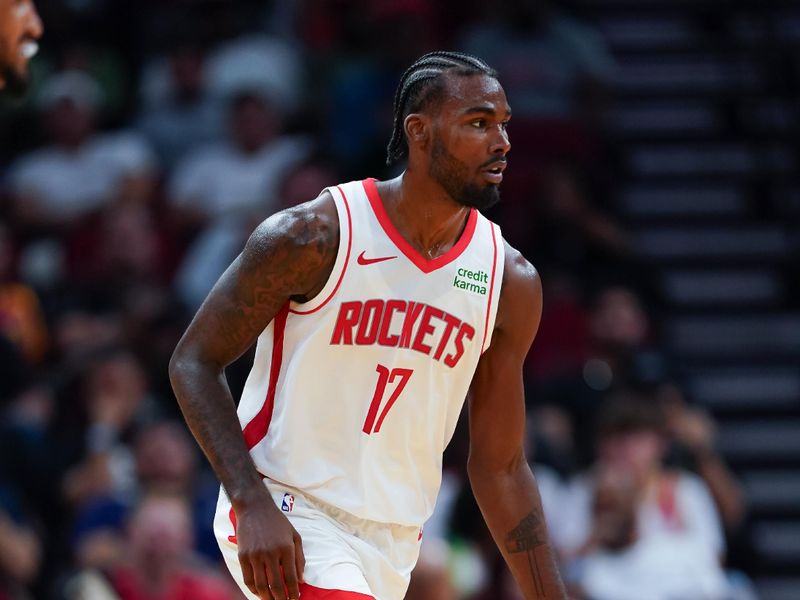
x: 342, y: 257
x: 495, y: 285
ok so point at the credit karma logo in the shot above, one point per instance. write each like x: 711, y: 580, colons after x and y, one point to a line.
x: 471, y: 281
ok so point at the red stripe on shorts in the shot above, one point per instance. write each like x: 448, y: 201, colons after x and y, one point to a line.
x: 309, y: 592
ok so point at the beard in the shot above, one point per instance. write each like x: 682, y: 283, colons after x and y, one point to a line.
x: 16, y: 81
x: 16, y: 84
x: 452, y: 175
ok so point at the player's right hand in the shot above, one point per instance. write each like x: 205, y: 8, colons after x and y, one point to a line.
x: 270, y: 551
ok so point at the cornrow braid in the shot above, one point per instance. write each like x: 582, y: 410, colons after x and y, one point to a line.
x: 422, y: 83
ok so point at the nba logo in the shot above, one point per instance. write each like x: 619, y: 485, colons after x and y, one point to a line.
x: 288, y: 502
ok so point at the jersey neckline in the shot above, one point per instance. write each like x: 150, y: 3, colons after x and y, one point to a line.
x: 426, y: 265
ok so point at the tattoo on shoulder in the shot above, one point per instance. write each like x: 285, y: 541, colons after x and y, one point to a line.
x: 526, y: 537
x: 289, y: 259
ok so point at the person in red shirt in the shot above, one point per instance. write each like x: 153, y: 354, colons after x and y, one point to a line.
x: 160, y: 565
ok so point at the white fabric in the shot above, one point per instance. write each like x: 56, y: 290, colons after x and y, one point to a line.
x: 658, y: 567
x: 70, y: 183
x: 341, y: 552
x: 257, y: 63
x: 316, y: 440
x: 694, y: 505
x: 221, y: 180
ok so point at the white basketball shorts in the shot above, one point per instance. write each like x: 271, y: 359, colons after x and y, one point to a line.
x: 342, y: 551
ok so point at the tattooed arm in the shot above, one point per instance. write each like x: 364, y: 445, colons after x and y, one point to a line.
x: 289, y: 256
x: 501, y: 479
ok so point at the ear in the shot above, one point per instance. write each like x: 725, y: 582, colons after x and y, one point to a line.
x: 418, y: 130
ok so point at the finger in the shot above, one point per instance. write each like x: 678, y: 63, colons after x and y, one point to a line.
x: 290, y: 574
x: 275, y: 577
x: 247, y: 575
x: 299, y: 557
x: 261, y: 578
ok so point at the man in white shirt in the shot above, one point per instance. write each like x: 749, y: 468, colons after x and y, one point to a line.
x: 81, y: 170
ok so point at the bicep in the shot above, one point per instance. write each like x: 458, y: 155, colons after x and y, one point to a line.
x: 286, y: 256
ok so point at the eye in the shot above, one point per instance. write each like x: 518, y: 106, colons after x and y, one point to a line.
x: 478, y: 123
x: 504, y: 125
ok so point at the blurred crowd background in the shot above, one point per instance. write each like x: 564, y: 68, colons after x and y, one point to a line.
x: 653, y: 182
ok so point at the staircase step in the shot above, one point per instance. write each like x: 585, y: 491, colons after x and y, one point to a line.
x: 766, y: 242
x: 647, y: 160
x: 645, y: 200
x: 778, y: 541
x: 666, y: 119
x: 778, y: 588
x: 746, y: 388
x: 773, y: 334
x: 644, y: 31
x: 772, y: 490
x: 769, y: 116
x: 722, y: 287
x: 686, y: 74
x: 761, y: 440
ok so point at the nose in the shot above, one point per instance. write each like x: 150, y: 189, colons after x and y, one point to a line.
x: 34, y: 27
x: 500, y: 144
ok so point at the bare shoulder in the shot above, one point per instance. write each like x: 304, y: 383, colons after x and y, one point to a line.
x: 522, y: 286
x: 310, y: 225
x: 520, y: 304
x: 299, y: 244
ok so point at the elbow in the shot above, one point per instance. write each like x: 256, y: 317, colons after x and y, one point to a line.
x: 182, y: 363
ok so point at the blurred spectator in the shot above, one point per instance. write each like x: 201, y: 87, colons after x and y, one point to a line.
x: 178, y: 113
x: 80, y: 170
x: 263, y: 64
x: 619, y: 564
x: 372, y: 43
x: 237, y: 178
x: 21, y: 318
x: 114, y: 395
x: 20, y: 549
x: 165, y: 461
x: 621, y: 354
x: 693, y: 434
x: 571, y: 231
x: 543, y: 56
x: 159, y: 561
x: 637, y: 518
x: 305, y: 181
x: 222, y: 190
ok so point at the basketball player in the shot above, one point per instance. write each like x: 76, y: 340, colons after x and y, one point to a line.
x: 376, y: 307
x: 20, y: 28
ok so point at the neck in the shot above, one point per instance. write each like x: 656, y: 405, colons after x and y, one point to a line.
x: 426, y: 216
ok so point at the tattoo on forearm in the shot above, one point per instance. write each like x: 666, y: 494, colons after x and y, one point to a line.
x: 526, y: 537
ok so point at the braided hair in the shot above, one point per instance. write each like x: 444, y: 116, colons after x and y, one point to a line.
x: 421, y: 84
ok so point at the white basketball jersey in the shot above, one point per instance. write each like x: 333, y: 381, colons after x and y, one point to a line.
x: 354, y: 395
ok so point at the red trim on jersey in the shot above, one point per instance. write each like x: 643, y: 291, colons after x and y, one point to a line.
x: 257, y: 428
x: 309, y: 592
x: 346, y: 259
x: 491, y: 290
x: 424, y: 264
x: 232, y: 517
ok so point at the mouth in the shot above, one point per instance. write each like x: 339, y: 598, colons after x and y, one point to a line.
x: 28, y: 49
x: 494, y: 172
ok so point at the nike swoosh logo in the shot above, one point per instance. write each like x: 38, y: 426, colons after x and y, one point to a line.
x: 362, y: 260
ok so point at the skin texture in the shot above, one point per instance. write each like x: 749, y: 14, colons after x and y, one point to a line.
x: 19, y: 23
x: 291, y: 255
